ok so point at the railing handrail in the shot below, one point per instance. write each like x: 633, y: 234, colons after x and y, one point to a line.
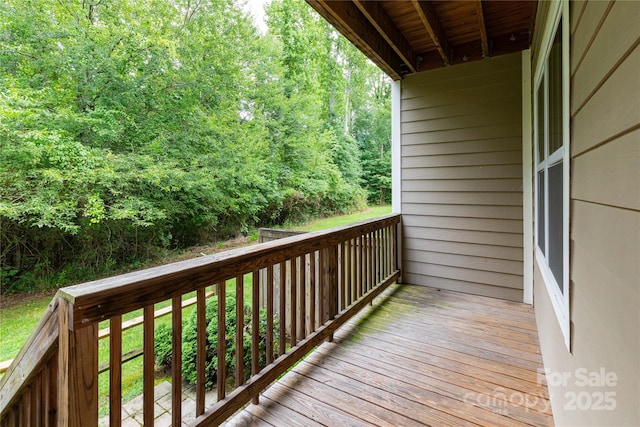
x: 102, y: 299
x: 38, y: 349
x: 55, y: 375
x: 104, y: 333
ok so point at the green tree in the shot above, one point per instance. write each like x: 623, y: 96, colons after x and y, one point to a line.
x: 130, y: 127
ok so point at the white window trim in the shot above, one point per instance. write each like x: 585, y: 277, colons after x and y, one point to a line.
x: 527, y: 179
x: 559, y: 300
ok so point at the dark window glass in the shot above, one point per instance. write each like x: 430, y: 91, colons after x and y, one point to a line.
x: 555, y: 256
x: 540, y: 124
x: 541, y: 240
x: 555, y: 92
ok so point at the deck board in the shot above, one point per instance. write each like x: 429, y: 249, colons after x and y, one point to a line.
x: 419, y: 356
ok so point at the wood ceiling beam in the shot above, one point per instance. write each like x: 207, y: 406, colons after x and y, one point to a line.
x: 469, y: 52
x: 378, y: 17
x: 483, y: 30
x: 431, y: 22
x: 532, y: 20
x: 347, y: 18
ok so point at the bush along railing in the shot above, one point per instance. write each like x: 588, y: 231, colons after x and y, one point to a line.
x: 311, y: 285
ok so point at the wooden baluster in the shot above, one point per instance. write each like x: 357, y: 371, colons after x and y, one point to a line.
x: 371, y: 260
x: 394, y: 250
x: 383, y: 268
x: 361, y: 268
x: 302, y: 306
x: 377, y: 257
x: 201, y: 349
x: 176, y: 361
x: 10, y: 420
x: 387, y: 269
x: 255, y: 327
x: 374, y: 249
x: 149, y: 362
x: 365, y: 263
x: 36, y: 407
x: 115, y: 371
x: 239, y: 330
x: 356, y: 269
x: 381, y: 275
x: 282, y: 343
x: 221, y: 373
x: 385, y: 256
x: 330, y: 289
x: 269, y: 297
x: 51, y: 394
x: 350, y: 272
x: 347, y: 273
x: 26, y: 407
x: 312, y: 292
x: 353, y: 268
x: 343, y: 277
x: 362, y: 263
x: 294, y: 302
x: 390, y: 249
x: 43, y: 397
x: 321, y: 285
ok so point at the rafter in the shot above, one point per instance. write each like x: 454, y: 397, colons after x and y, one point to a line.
x: 378, y: 17
x: 348, y: 19
x: 483, y: 30
x: 431, y: 22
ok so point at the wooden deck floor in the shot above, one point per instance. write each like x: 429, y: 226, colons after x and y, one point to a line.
x: 418, y: 357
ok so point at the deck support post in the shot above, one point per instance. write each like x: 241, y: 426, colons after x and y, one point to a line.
x: 78, y: 371
x: 330, y: 282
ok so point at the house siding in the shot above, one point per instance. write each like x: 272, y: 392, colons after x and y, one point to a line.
x: 604, y: 219
x: 461, y: 179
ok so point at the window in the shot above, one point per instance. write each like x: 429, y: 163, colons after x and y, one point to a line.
x: 551, y: 101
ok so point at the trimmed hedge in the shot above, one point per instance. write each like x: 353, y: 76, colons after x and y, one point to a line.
x: 164, y: 336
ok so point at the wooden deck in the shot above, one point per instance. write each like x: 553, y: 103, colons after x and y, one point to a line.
x: 418, y: 357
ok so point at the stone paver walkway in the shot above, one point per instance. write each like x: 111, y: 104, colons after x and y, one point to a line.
x: 132, y: 410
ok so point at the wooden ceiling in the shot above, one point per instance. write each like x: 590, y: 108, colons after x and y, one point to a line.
x: 406, y: 36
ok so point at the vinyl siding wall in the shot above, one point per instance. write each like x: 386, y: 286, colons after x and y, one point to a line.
x: 605, y: 218
x: 461, y: 180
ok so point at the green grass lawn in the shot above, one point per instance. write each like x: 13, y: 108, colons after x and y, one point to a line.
x: 17, y: 322
x: 336, y: 221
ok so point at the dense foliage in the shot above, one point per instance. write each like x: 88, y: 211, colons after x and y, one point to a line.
x: 127, y: 127
x: 164, y: 338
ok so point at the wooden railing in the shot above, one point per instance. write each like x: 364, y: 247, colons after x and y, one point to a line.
x: 328, y: 275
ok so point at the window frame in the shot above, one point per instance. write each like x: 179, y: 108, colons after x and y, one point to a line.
x: 558, y: 14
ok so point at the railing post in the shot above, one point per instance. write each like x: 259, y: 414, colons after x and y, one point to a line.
x: 330, y: 282
x: 78, y: 371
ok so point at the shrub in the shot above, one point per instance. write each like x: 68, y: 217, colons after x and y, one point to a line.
x: 164, y: 333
